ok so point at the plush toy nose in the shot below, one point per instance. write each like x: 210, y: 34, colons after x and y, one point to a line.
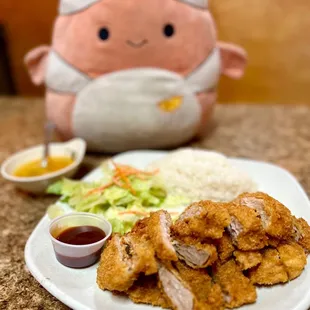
x: 171, y: 104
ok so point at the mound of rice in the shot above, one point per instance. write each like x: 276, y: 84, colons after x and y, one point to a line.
x: 202, y: 175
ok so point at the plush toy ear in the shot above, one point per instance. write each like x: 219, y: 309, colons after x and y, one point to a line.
x: 234, y: 60
x: 35, y: 62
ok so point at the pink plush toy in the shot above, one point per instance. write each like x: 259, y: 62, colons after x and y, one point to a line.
x: 133, y: 74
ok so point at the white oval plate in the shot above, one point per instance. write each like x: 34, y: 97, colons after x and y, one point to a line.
x: 78, y: 290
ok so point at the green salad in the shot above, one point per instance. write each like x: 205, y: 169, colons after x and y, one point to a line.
x: 123, y: 196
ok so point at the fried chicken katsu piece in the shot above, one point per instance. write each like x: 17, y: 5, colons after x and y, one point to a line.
x: 146, y: 291
x: 207, y: 293
x: 123, y: 260
x: 276, y: 218
x: 225, y: 247
x: 237, y: 289
x: 246, y: 229
x: 159, y: 225
x: 271, y: 271
x: 247, y: 260
x: 204, y: 219
x: 301, y: 233
x: 293, y: 258
x: 196, y: 255
x: 176, y: 291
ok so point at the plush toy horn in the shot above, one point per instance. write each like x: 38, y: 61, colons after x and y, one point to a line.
x: 72, y: 6
x: 203, y: 4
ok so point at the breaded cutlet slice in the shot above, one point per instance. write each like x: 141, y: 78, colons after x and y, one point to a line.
x: 202, y: 220
x: 277, y: 219
x: 270, y: 271
x: 176, y: 291
x: 123, y: 260
x: 158, y: 226
x: 208, y: 294
x: 237, y: 288
x: 294, y: 259
x: 146, y: 291
x: 246, y: 229
x: 248, y: 260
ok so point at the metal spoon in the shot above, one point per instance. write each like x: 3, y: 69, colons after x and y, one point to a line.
x: 48, y: 134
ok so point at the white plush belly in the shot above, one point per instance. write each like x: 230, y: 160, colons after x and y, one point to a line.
x: 132, y: 109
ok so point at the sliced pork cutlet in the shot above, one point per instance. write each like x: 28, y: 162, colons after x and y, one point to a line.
x: 208, y: 294
x: 196, y: 255
x: 225, y: 247
x: 301, y: 233
x: 159, y: 225
x: 277, y: 220
x: 248, y: 260
x: 246, y: 228
x: 202, y: 220
x: 270, y: 271
x: 293, y: 258
x: 146, y: 291
x: 123, y: 260
x: 176, y: 291
x: 237, y: 288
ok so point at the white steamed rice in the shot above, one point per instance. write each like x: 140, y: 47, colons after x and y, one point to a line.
x: 202, y: 175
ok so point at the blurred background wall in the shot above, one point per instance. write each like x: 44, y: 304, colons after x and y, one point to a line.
x: 275, y: 34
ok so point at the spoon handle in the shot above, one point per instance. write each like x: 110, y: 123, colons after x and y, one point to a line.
x: 48, y: 135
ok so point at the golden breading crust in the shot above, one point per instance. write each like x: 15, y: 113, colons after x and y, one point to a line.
x: 271, y: 271
x: 207, y: 293
x: 123, y: 260
x: 225, y: 248
x: 247, y: 260
x: 201, y: 220
x: 276, y: 218
x: 141, y: 227
x: 293, y: 258
x: 301, y: 233
x: 246, y: 228
x: 237, y: 288
x: 273, y: 242
x: 146, y: 291
x: 159, y: 225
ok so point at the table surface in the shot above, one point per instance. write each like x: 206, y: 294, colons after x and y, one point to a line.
x: 278, y: 134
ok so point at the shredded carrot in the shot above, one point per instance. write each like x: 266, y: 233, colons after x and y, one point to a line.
x: 120, y: 178
x: 123, y: 176
x: 99, y: 189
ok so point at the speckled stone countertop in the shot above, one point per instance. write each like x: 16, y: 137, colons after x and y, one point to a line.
x: 278, y: 134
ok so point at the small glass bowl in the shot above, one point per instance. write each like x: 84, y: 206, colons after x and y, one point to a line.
x: 78, y: 256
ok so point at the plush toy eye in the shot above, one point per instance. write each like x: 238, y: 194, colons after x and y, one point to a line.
x: 168, y: 30
x: 104, y: 34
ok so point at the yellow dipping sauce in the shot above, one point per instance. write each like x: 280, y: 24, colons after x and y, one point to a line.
x: 34, y: 168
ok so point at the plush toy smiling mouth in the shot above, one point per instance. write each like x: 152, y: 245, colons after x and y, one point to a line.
x: 137, y: 44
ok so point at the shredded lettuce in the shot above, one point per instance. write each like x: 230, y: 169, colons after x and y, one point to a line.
x: 121, y: 206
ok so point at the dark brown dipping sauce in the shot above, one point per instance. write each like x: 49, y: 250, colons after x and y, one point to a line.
x: 81, y: 235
